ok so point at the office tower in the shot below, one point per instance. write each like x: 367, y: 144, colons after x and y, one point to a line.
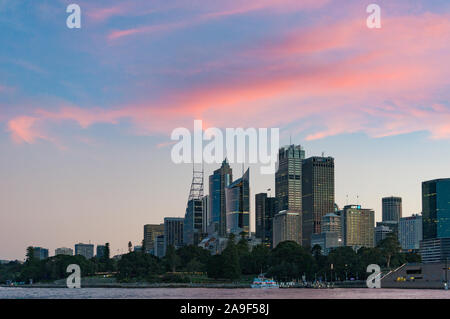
x: 358, y: 226
x: 173, y: 232
x: 265, y: 209
x: 237, y: 196
x: 391, y: 208
x: 436, y: 208
x: 158, y: 249
x: 331, y: 233
x: 218, y: 181
x: 193, y: 222
x: 100, y: 252
x: 40, y: 253
x: 193, y: 218
x: 151, y: 231
x: 288, y: 178
x: 86, y: 250
x: 381, y: 233
x: 331, y: 223
x: 64, y: 251
x: 410, y: 232
x: 287, y: 225
x: 435, y: 245
x: 318, y: 194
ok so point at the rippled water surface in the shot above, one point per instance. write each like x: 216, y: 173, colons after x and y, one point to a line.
x: 213, y: 293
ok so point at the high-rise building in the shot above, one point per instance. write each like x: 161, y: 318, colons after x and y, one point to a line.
x: 358, y: 226
x: 410, y: 232
x: 237, y: 196
x: 265, y: 209
x: 151, y: 231
x: 317, y: 194
x: 64, y: 251
x: 288, y: 178
x: 158, y: 249
x: 435, y: 246
x: 391, y: 208
x: 100, y: 251
x: 173, y: 232
x: 86, y: 250
x: 194, y: 216
x: 436, y: 208
x: 287, y: 225
x: 331, y: 223
x: 331, y: 233
x: 218, y: 182
x: 40, y: 253
x: 193, y: 222
x: 381, y: 233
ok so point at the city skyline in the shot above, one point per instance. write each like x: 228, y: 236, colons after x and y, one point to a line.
x: 86, y: 114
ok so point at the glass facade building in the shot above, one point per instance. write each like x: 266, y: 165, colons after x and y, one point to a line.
x: 410, y: 232
x: 436, y: 208
x: 218, y: 182
x: 193, y: 222
x: 265, y: 210
x: 391, y: 208
x: 288, y: 178
x: 317, y: 194
x: 238, y: 206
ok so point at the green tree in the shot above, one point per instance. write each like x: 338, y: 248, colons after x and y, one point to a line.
x: 389, y: 247
x: 171, y: 258
x: 230, y: 255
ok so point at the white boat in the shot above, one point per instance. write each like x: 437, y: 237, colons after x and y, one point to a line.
x: 262, y: 282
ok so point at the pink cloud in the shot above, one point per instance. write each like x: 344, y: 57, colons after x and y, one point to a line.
x: 334, y: 79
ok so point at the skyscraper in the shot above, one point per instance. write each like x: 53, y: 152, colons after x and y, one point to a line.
x: 410, y: 232
x: 358, y: 226
x: 435, y: 245
x: 173, y: 232
x: 40, y: 253
x: 194, y: 216
x: 265, y: 209
x: 237, y: 196
x: 218, y: 181
x: 436, y: 208
x: 101, y: 249
x: 287, y: 225
x: 193, y: 222
x: 391, y: 208
x: 86, y: 250
x: 318, y: 194
x: 288, y: 178
x: 151, y: 231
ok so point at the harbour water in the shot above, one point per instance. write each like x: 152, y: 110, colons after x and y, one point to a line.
x: 217, y: 293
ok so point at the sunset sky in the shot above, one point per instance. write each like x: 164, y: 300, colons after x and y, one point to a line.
x: 86, y: 114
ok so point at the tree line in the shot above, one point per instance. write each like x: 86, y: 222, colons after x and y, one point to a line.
x: 288, y: 261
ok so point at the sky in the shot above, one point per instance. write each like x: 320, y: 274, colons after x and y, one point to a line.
x: 86, y: 114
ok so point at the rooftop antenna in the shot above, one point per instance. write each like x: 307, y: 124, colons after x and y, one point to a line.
x: 357, y: 199
x: 347, y: 198
x: 290, y: 139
